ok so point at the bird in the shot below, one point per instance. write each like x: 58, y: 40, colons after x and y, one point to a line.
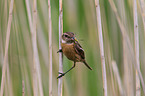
x: 72, y: 50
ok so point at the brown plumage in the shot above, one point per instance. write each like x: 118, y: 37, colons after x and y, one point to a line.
x: 72, y: 50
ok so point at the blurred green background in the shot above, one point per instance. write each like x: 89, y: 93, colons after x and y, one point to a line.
x: 79, y: 16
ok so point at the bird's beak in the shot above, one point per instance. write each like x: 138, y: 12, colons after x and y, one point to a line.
x: 74, y: 39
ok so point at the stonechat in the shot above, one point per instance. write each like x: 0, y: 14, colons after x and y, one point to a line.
x: 72, y: 50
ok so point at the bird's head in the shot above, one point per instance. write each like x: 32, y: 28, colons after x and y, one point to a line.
x: 68, y: 37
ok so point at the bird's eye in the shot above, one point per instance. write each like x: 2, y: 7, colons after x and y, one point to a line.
x: 66, y: 35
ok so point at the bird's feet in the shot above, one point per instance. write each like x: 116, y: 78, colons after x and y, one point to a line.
x: 60, y: 50
x: 61, y: 74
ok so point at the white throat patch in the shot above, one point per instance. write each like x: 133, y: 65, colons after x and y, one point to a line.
x: 63, y: 41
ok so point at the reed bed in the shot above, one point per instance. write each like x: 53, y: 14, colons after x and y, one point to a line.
x: 30, y: 36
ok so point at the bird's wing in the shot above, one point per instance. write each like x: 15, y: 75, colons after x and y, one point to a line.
x: 79, y: 50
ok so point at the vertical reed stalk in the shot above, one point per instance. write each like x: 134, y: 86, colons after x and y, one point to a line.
x: 35, y: 86
x: 136, y: 38
x: 60, y: 54
x: 33, y: 33
x: 117, y: 76
x: 37, y: 71
x: 50, y: 48
x: 142, y: 6
x: 101, y: 46
x: 10, y: 90
x: 124, y: 34
x: 6, y: 48
x: 29, y: 15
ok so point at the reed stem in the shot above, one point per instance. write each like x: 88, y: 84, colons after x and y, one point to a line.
x: 6, y: 48
x: 60, y: 54
x: 101, y: 46
x: 50, y: 48
x: 136, y: 38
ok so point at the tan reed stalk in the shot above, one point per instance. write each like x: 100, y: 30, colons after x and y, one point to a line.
x: 50, y: 48
x: 127, y: 70
x: 60, y: 54
x: 6, y: 48
x: 6, y: 87
x: 136, y: 38
x: 112, y: 84
x: 117, y: 76
x: 10, y: 90
x: 29, y: 15
x: 9, y: 80
x: 37, y: 71
x: 35, y: 85
x: 124, y: 34
x: 142, y: 6
x: 101, y: 47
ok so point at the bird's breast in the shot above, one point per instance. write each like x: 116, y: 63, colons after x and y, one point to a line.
x: 69, y: 51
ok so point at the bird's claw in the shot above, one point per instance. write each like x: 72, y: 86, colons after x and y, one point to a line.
x: 62, y: 74
x: 60, y: 50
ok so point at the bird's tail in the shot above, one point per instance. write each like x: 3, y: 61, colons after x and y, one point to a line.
x: 87, y: 65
